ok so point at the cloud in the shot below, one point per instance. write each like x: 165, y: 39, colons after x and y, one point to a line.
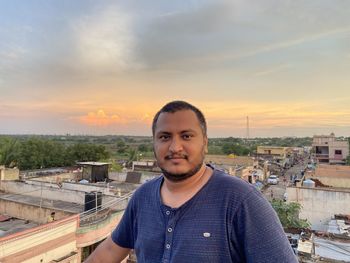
x: 100, y: 118
x: 105, y: 40
x: 273, y: 70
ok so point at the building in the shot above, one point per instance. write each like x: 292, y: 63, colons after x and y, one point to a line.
x: 278, y: 154
x: 326, y: 194
x: 45, y: 221
x: 333, y: 175
x: 328, y: 149
x: 51, y: 242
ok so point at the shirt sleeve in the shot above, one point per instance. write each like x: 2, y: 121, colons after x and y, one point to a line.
x: 259, y: 232
x: 123, y: 235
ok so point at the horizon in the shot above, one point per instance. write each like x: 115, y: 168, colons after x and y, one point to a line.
x: 150, y: 136
x: 106, y: 67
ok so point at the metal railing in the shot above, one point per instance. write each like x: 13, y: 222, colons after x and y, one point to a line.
x: 101, y: 212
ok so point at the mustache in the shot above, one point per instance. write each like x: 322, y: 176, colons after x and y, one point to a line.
x: 176, y: 156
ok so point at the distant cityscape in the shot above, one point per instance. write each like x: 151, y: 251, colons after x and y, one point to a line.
x: 62, y: 195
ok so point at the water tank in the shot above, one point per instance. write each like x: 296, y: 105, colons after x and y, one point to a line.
x: 309, y: 183
x: 92, y: 199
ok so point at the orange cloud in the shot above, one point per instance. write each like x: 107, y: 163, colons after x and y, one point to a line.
x: 100, y: 118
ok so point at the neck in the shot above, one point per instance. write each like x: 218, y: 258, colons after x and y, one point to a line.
x: 188, y: 184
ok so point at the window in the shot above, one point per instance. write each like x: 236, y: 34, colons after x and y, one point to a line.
x: 337, y: 152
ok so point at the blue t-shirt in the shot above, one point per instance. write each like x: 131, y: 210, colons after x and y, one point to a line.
x: 228, y: 220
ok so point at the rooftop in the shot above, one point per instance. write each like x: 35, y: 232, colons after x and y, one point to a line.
x: 10, y: 225
x: 53, y: 204
x: 93, y: 163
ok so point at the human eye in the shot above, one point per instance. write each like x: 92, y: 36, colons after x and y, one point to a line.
x: 187, y: 136
x: 163, y: 137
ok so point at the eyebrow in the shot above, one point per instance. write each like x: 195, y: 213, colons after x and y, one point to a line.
x: 184, y: 131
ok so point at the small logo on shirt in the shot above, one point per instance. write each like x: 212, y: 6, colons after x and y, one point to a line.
x: 206, y: 234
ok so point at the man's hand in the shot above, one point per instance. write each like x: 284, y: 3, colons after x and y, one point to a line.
x: 108, y: 252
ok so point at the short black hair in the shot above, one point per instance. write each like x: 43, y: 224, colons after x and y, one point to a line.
x: 178, y: 105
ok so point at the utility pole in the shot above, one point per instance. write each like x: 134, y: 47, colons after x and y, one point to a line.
x: 247, y: 129
x: 41, y: 194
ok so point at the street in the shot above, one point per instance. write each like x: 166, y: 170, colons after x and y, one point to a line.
x: 277, y: 191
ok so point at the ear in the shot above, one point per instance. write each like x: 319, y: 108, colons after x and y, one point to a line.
x: 205, y: 144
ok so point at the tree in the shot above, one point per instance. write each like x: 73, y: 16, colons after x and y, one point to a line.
x: 144, y: 148
x: 121, y: 147
x: 236, y: 149
x: 82, y: 152
x: 9, y: 150
x: 132, y: 156
x: 288, y: 214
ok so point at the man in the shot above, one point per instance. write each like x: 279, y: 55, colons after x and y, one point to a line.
x: 194, y: 213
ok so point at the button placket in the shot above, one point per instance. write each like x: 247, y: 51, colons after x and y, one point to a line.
x: 171, y: 216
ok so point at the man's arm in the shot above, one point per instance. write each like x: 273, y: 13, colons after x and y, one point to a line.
x: 108, y: 252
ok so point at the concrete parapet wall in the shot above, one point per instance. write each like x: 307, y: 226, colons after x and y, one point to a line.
x: 320, y: 204
x: 121, y: 177
x: 46, y: 191
x: 46, y: 243
x: 222, y: 159
x: 29, y: 212
x: 53, y: 192
x: 91, y: 234
x: 333, y: 175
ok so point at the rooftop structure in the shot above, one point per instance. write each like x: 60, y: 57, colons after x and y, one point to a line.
x: 53, y: 218
x: 333, y: 175
x: 94, y: 171
x: 328, y: 149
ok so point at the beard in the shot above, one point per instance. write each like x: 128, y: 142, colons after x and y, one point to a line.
x: 178, y: 177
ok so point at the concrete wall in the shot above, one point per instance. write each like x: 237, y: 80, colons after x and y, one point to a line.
x: 121, y: 177
x: 53, y: 192
x: 73, y: 186
x: 320, y: 204
x: 45, y: 191
x: 273, y: 150
x: 8, y: 173
x: 91, y: 234
x: 44, y: 243
x: 225, y: 160
x: 333, y: 175
x: 54, y: 177
x: 30, y: 212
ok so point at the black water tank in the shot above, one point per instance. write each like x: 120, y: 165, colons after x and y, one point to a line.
x: 90, y: 200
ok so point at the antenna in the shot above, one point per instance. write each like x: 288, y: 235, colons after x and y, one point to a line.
x: 247, y: 132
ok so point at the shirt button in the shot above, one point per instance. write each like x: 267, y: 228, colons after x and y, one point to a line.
x: 167, y: 246
x: 170, y: 230
x: 167, y: 212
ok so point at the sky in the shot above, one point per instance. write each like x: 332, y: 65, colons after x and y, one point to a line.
x: 106, y: 67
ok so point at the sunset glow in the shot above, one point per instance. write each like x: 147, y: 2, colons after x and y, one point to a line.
x: 105, y: 67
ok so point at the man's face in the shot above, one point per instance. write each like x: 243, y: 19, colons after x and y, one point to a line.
x: 179, y: 144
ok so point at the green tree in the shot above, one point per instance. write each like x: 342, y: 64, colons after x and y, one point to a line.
x: 9, y: 151
x: 236, y: 149
x: 133, y: 155
x: 82, y: 152
x: 121, y: 147
x: 144, y: 148
x: 288, y: 214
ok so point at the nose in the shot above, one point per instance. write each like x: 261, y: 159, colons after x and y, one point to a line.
x: 176, y: 145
